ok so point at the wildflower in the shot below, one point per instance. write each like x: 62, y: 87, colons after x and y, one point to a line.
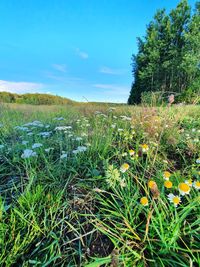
x: 63, y: 156
x: 168, y: 184
x: 24, y: 142
x: 166, y: 175
x: 198, y: 161
x: 189, y: 182
x: 124, y: 154
x: 145, y: 148
x: 174, y: 199
x: 131, y: 152
x: 1, y: 146
x: 196, y: 185
x: 44, y: 134
x: 36, y: 145
x: 151, y: 184
x: 28, y: 153
x: 184, y: 188
x: 78, y: 138
x: 48, y: 149
x: 124, y: 167
x: 144, y: 201
x: 123, y: 183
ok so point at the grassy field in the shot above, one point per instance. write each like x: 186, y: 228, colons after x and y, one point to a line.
x: 90, y: 185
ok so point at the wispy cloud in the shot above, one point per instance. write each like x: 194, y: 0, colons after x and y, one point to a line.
x: 82, y: 54
x: 60, y: 67
x: 107, y: 70
x: 113, y: 89
x: 20, y: 87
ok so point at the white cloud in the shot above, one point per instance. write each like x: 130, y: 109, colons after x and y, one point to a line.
x: 107, y: 70
x: 60, y: 67
x: 114, y: 89
x: 20, y: 87
x: 82, y: 54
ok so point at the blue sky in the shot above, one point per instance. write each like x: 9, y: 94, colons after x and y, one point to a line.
x: 80, y: 49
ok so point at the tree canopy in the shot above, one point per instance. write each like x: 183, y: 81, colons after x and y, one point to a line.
x: 168, y: 58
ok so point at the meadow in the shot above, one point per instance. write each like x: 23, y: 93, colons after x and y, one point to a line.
x: 98, y: 185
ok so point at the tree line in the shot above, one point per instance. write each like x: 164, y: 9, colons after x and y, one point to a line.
x: 168, y: 58
x: 34, y: 99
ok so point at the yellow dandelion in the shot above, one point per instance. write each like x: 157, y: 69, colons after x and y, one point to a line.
x: 196, y: 184
x: 166, y: 175
x: 124, y: 167
x: 184, y: 189
x: 145, y: 148
x: 168, y: 184
x: 174, y: 199
x: 131, y: 152
x: 144, y: 201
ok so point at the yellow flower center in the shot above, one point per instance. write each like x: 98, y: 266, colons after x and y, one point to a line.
x: 197, y: 183
x: 167, y: 174
x: 176, y: 200
x: 125, y: 166
x: 168, y: 184
x: 144, y: 201
x: 145, y: 146
x: 131, y: 152
x: 151, y: 184
x: 184, y: 187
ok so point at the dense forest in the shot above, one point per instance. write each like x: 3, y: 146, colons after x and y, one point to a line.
x: 168, y: 58
x: 34, y: 99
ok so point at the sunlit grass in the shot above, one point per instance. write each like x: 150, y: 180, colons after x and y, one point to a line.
x: 86, y: 185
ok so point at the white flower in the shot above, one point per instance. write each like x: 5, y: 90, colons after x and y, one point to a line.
x: 63, y: 156
x: 59, y: 119
x: 25, y: 142
x: 44, y: 134
x: 63, y: 128
x: 196, y: 185
x: 198, y: 161
x: 36, y: 145
x: 22, y: 128
x: 48, y: 149
x: 78, y: 138
x: 29, y: 134
x: 1, y: 146
x: 174, y: 199
x: 28, y: 153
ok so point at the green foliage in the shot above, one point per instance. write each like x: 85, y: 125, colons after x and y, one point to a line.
x: 168, y: 57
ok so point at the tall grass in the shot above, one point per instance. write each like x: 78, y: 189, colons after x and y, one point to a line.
x: 83, y: 209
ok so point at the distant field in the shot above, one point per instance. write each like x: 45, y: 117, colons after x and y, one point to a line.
x: 94, y: 185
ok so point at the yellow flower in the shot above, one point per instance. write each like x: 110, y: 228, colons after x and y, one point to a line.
x: 184, y: 188
x: 196, y: 184
x: 166, y: 175
x: 131, y: 152
x: 124, y: 167
x: 144, y: 201
x: 189, y: 182
x: 174, y: 199
x: 168, y: 184
x: 145, y: 148
x: 151, y: 184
